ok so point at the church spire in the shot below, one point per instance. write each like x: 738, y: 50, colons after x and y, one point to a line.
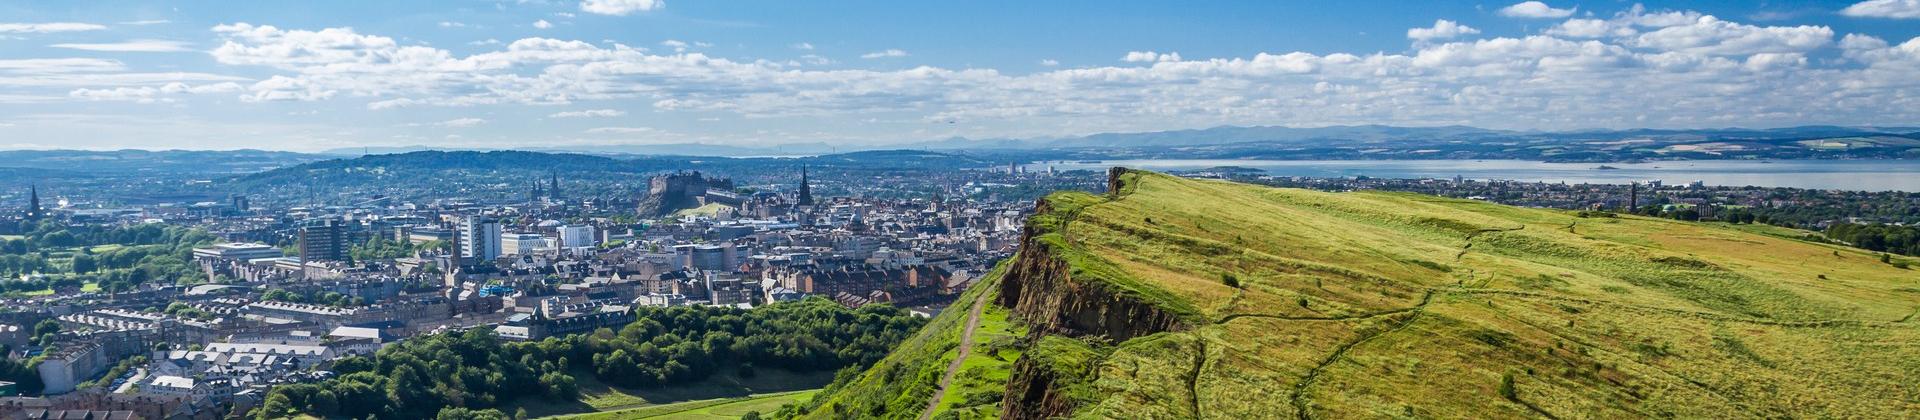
x: 33, y: 203
x: 806, y: 191
x: 553, y: 190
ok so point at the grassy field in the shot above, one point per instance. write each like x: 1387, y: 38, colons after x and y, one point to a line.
x: 718, y: 408
x: 899, y: 386
x: 1381, y: 304
x: 598, y: 398
x: 708, y: 210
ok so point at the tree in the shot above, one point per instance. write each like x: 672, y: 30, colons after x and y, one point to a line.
x: 44, y: 331
x: 276, y: 406
x: 83, y: 264
x: 1230, y: 280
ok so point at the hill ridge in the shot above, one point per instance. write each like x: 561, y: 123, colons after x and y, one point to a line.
x: 1181, y: 298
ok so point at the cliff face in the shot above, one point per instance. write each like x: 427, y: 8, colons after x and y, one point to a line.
x: 1040, y: 288
x: 670, y: 193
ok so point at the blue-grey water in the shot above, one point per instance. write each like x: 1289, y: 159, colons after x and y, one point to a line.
x: 1865, y: 175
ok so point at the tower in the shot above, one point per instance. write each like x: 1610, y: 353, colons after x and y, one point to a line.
x: 33, y: 203
x: 1633, y: 197
x: 553, y: 188
x: 806, y: 191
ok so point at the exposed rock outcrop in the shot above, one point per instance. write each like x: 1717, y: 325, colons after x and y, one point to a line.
x: 674, y: 192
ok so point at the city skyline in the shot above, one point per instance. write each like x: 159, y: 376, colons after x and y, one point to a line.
x: 533, y: 74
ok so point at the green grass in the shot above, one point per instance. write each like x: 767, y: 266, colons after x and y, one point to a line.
x: 718, y: 408
x: 983, y: 375
x: 708, y: 210
x: 1381, y: 304
x: 599, y: 397
x: 899, y: 386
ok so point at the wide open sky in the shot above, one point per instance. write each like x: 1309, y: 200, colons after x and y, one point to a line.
x: 531, y: 73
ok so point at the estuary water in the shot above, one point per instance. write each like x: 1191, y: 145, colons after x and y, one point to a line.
x: 1863, y: 175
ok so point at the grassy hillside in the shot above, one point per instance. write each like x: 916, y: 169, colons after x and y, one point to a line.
x: 1377, y: 304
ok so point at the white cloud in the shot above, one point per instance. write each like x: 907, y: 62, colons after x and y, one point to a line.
x: 138, y: 45
x: 620, y: 7
x: 148, y: 94
x: 1442, y: 29
x: 675, y: 44
x: 49, y: 27
x: 890, y: 53
x: 461, y: 122
x: 1891, y: 9
x: 59, y: 65
x: 620, y: 130
x: 1049, y: 63
x: 1710, y: 35
x: 1149, y: 57
x: 1591, y: 28
x: 804, y: 46
x: 446, y: 24
x: 1693, y: 74
x: 591, y: 113
x: 814, y: 60
x: 542, y: 24
x: 146, y: 22
x: 1534, y: 9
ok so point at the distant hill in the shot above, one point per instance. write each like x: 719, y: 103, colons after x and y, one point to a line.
x: 1362, y: 135
x: 146, y: 161
x: 1182, y: 298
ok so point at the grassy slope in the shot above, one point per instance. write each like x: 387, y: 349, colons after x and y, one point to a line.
x: 598, y: 398
x: 1379, y: 304
x: 898, y: 387
x: 1391, y: 304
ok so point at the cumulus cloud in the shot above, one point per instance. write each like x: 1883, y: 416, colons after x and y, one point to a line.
x: 591, y: 113
x: 1674, y: 69
x: 49, y: 27
x: 542, y: 24
x: 890, y: 53
x: 620, y: 130
x: 1149, y: 57
x: 1710, y: 35
x: 1442, y: 29
x: 1535, y: 10
x: 138, y: 45
x: 804, y: 46
x: 1591, y: 28
x: 461, y: 122
x: 1890, y: 9
x: 620, y: 7
x: 1049, y: 63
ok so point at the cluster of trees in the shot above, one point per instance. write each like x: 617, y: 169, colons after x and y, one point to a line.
x: 147, y: 252
x: 327, y: 298
x: 1904, y: 240
x: 1735, y: 215
x: 382, y: 248
x: 471, y: 372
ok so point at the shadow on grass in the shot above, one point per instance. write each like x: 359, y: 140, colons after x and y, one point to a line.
x: 597, y: 396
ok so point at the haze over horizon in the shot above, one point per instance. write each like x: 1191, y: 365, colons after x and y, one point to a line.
x: 555, y: 74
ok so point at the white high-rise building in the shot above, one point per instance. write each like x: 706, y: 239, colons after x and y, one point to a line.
x: 480, y: 239
x: 577, y: 236
x: 522, y: 243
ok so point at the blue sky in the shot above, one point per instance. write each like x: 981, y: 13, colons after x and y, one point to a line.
x: 321, y: 75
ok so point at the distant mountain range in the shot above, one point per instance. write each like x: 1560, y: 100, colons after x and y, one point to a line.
x: 1335, y: 142
x: 1267, y: 136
